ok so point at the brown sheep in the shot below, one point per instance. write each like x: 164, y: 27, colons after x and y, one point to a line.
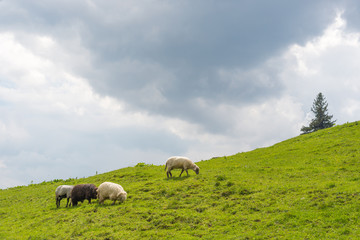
x: 83, y: 191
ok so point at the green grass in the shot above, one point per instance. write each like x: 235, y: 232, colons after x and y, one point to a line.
x: 307, y: 187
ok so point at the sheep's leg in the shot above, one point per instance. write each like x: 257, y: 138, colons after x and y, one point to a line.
x: 181, y: 172
x: 187, y: 172
x: 114, y: 202
x: 58, y: 201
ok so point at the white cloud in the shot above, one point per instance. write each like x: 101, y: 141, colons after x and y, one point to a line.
x: 2, y: 164
x: 335, y: 42
x: 11, y: 133
x: 36, y: 83
x: 327, y: 64
x: 58, y: 122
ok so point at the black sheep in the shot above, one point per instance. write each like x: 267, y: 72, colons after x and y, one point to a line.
x: 83, y: 191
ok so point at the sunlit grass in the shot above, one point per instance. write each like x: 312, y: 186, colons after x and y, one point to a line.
x: 303, y: 188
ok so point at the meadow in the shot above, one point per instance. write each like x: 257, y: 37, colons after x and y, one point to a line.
x: 307, y: 187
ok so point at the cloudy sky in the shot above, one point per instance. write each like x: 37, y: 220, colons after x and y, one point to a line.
x: 94, y: 86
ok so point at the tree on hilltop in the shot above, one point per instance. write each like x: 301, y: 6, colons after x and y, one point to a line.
x: 322, y: 118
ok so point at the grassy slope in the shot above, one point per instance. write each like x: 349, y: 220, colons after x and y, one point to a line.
x: 305, y: 187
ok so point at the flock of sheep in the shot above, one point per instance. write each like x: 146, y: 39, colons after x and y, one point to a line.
x: 113, y: 191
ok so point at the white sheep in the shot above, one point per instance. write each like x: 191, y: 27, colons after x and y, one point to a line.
x: 112, y: 191
x: 63, y: 191
x: 180, y: 163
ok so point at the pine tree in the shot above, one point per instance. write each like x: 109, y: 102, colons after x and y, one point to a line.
x: 322, y: 118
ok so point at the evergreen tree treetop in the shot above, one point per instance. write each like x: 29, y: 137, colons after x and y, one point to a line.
x: 322, y: 118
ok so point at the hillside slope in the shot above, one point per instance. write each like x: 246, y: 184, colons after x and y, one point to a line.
x: 303, y: 188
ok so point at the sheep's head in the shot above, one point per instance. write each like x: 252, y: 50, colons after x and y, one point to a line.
x: 122, y: 196
x: 94, y: 193
x: 196, y: 169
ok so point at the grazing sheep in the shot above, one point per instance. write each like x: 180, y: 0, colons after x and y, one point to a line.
x: 180, y: 163
x: 63, y: 191
x: 112, y: 191
x: 83, y: 191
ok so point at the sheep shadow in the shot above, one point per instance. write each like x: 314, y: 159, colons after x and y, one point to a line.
x: 177, y: 178
x: 94, y: 205
x: 107, y: 205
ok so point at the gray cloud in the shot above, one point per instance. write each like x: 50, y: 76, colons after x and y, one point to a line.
x: 117, y: 83
x: 174, y: 52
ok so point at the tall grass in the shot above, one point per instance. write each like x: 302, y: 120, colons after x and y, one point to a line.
x: 306, y: 187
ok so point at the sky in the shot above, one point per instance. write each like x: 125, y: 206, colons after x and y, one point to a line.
x: 88, y: 87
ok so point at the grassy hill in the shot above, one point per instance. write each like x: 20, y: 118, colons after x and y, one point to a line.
x: 307, y: 187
